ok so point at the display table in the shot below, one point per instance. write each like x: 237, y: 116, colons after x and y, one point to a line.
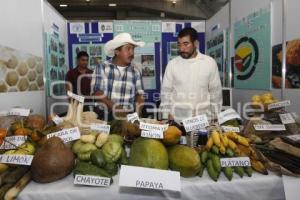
x: 258, y: 187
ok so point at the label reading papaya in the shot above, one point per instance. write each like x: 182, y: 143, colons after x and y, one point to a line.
x: 195, y: 123
x: 66, y: 135
x: 235, y: 162
x: 12, y: 142
x: 156, y: 134
x: 16, y: 159
x: 156, y: 179
x: 92, y: 180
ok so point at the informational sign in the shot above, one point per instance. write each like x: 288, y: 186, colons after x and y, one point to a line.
x: 140, y: 177
x: 231, y: 129
x: 271, y: 127
x: 75, y: 96
x: 67, y: 135
x: 280, y: 104
x: 16, y: 159
x: 235, y: 162
x: 195, y: 123
x: 252, y: 50
x: 133, y: 117
x: 57, y: 120
x: 12, y: 142
x: 153, y: 127
x: 156, y: 134
x: 227, y: 115
x: 287, y: 118
x: 91, y: 180
x: 103, y: 128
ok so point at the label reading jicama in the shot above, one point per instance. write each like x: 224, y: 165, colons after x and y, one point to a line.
x: 66, y: 135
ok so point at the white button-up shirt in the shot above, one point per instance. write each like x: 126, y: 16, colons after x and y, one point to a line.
x: 191, y: 87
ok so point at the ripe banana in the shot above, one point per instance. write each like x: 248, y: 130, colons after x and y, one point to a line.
x: 216, y: 138
x: 209, y: 143
x: 231, y: 144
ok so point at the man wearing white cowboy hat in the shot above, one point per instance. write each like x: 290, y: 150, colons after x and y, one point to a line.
x: 116, y: 83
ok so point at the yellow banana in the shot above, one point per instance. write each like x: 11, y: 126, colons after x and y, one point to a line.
x: 209, y: 143
x: 222, y: 148
x: 232, y: 135
x: 242, y: 140
x: 259, y: 167
x: 216, y: 138
x: 224, y: 140
x: 231, y: 144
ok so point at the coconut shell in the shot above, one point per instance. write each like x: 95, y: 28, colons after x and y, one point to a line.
x: 52, y: 162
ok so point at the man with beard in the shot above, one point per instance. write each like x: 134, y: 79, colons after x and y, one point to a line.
x: 116, y: 84
x: 191, y: 84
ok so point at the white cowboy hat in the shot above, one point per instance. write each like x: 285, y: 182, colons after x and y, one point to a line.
x: 120, y: 40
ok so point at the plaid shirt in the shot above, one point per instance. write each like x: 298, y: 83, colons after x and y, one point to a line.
x: 120, y: 89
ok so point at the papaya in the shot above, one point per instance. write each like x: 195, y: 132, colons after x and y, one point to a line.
x: 172, y: 136
x: 150, y: 153
x: 184, y: 159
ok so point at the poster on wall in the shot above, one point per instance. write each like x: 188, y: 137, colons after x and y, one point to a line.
x: 215, y: 49
x: 95, y: 51
x: 89, y: 37
x: 56, y: 65
x: 292, y: 80
x: 145, y: 57
x: 252, y: 43
x: 20, y: 71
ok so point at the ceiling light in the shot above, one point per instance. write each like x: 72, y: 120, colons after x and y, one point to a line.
x: 87, y: 0
x: 63, y: 5
x: 112, y: 5
x: 174, y: 1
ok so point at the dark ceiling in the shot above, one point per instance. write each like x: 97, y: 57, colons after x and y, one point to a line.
x: 138, y: 9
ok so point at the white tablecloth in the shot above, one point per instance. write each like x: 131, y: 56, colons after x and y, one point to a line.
x: 257, y: 187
